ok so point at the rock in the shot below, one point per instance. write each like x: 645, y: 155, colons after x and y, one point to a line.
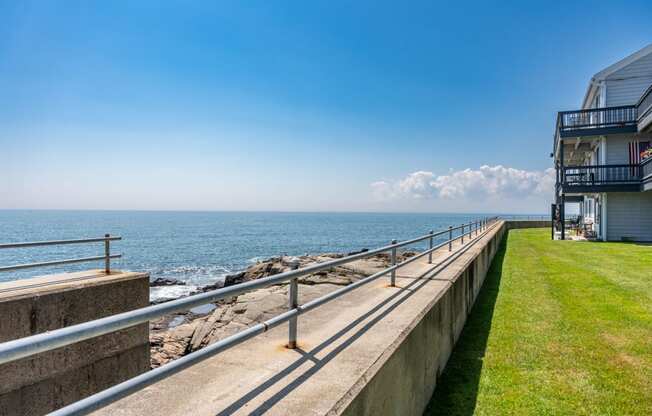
x: 239, y: 312
x: 364, y: 250
x: 162, y: 281
x: 234, y: 279
x: 292, y: 262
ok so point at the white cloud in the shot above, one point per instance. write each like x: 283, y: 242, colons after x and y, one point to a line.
x: 486, y: 182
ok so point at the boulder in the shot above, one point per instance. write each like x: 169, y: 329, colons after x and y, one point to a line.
x: 163, y: 281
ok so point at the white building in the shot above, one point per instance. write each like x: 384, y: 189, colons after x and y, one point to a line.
x: 600, y: 157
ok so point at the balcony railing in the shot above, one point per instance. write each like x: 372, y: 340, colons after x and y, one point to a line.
x: 601, y: 175
x: 596, y: 118
x: 644, y: 108
x: 646, y: 169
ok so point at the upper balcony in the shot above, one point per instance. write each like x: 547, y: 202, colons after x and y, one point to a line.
x: 597, y: 121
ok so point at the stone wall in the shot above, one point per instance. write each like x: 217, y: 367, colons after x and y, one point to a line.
x: 42, y: 383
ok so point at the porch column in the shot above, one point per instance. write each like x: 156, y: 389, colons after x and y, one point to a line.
x: 562, y: 207
x: 562, y: 214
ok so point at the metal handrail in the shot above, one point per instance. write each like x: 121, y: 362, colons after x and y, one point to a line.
x: 106, y: 257
x: 644, y: 104
x: 525, y: 217
x: 35, y: 344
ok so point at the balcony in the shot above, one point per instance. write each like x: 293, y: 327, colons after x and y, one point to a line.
x: 646, y: 174
x: 597, y: 121
x: 644, y: 110
x: 603, y: 178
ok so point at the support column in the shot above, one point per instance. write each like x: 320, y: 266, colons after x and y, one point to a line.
x: 562, y: 215
x: 562, y: 179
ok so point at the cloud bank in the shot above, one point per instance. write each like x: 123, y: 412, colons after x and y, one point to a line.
x: 487, y: 182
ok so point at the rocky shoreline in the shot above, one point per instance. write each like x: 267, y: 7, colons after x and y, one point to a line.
x: 176, y: 335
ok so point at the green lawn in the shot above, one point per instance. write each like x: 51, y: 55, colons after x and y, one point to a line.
x: 560, y: 327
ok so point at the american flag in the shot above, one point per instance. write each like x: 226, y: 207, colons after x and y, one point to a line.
x: 635, y: 150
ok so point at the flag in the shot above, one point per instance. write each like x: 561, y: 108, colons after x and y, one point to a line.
x: 634, y: 153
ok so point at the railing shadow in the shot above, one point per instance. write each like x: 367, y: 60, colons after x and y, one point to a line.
x: 457, y: 388
x: 382, y: 310
x: 306, y: 356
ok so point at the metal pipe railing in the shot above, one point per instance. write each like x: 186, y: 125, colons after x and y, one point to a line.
x: 106, y: 257
x: 25, y: 347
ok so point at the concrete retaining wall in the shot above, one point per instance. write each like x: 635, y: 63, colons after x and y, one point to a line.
x: 512, y: 225
x: 45, y: 382
x: 407, y: 380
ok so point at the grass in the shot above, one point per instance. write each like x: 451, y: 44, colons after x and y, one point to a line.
x: 560, y: 327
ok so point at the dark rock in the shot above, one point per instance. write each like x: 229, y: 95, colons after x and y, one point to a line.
x: 234, y: 279
x: 162, y: 281
x: 364, y: 250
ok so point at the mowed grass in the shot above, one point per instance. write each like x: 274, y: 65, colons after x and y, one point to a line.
x: 559, y: 328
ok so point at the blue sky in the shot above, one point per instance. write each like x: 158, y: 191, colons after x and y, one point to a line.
x: 291, y: 105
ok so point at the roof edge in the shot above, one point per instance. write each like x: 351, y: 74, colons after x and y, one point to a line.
x: 603, y: 74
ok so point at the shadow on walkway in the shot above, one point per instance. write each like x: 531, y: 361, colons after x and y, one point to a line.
x: 457, y: 388
x: 340, y: 340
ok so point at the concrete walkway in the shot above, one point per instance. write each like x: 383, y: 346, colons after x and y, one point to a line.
x: 342, y: 345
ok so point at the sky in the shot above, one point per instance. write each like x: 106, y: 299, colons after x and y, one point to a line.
x: 293, y: 105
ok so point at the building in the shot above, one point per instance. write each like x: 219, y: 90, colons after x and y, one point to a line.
x: 602, y: 154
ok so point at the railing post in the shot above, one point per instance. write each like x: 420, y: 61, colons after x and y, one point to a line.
x: 294, y: 303
x: 393, y: 275
x: 450, y: 238
x: 430, y: 247
x: 107, y: 254
x: 462, y: 234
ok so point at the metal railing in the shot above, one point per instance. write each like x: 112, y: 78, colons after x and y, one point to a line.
x: 36, y: 344
x: 106, y: 257
x: 517, y: 217
x: 646, y: 169
x: 572, y: 122
x: 598, y: 118
x: 644, y: 105
x: 601, y: 175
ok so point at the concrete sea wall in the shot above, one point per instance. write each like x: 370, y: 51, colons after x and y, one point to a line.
x: 406, y: 380
x: 42, y: 383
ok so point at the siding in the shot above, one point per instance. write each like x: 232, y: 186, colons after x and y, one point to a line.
x: 629, y: 215
x: 618, y: 146
x: 625, y: 86
x: 618, y: 149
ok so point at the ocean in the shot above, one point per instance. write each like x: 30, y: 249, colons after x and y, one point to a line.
x: 200, y: 248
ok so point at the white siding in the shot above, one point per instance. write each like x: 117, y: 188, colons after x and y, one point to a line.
x: 629, y: 216
x: 625, y: 86
x: 618, y: 149
x: 618, y: 146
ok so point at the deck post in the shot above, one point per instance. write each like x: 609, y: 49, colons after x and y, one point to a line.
x: 562, y: 215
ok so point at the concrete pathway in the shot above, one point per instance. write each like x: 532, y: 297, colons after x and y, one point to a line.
x: 341, y: 346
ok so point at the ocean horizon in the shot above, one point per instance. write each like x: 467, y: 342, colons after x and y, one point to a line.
x: 202, y: 247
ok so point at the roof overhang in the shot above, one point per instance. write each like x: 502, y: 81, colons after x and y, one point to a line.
x: 605, y: 73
